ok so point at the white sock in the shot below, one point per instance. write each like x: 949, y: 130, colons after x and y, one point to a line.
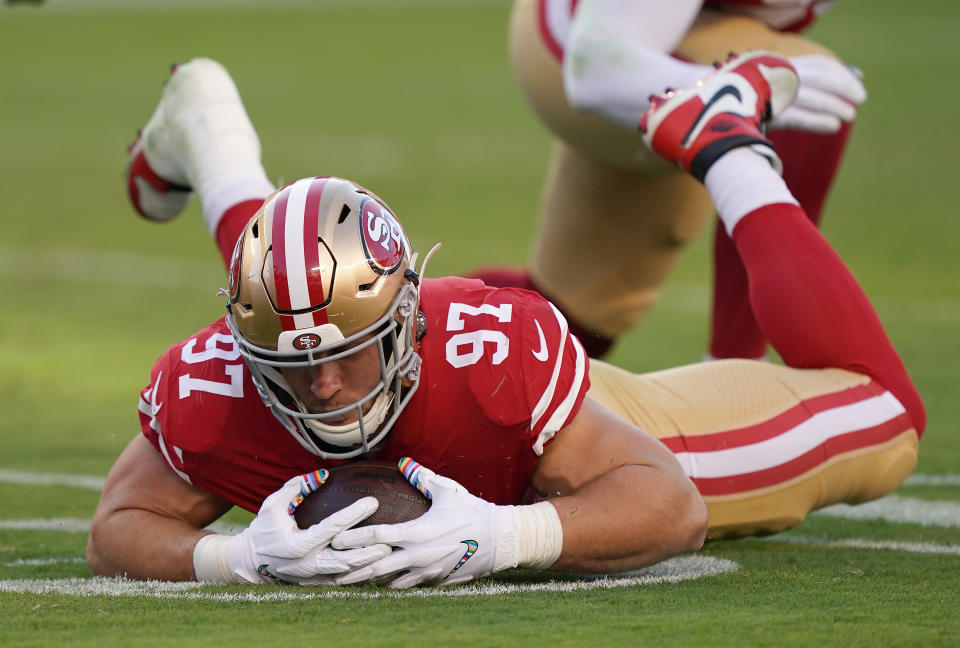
x: 742, y: 181
x: 220, y: 192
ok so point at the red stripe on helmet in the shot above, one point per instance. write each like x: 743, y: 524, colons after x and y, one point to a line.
x: 311, y: 251
x: 278, y: 237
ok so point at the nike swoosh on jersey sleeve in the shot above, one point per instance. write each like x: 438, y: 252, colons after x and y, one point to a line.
x: 560, y: 412
x: 542, y: 354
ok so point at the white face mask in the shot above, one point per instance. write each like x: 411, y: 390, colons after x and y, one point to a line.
x: 398, y: 362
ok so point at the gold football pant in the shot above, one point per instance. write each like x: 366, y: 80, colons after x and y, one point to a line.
x: 766, y: 444
x: 613, y: 216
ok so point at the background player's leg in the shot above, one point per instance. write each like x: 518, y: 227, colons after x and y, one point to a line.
x: 230, y: 225
x: 199, y: 139
x: 607, y: 238
x: 810, y: 163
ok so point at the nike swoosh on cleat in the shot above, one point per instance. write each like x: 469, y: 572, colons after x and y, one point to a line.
x: 709, y: 109
x: 472, y: 546
x: 542, y: 354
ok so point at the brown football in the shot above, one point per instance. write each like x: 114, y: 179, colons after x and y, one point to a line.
x: 399, y: 501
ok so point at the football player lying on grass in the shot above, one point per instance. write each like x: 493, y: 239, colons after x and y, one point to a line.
x: 334, y: 348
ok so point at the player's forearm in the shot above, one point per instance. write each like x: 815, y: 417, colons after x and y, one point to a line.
x: 628, y: 518
x: 141, y: 544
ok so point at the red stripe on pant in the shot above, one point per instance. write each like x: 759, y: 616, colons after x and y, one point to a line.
x: 774, y: 426
x: 806, y: 462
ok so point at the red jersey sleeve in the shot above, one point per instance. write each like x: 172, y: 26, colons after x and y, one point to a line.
x: 195, y: 388
x: 532, y: 370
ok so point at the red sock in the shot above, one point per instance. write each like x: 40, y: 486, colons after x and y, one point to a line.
x: 231, y: 227
x: 810, y: 163
x: 734, y: 332
x: 810, y: 307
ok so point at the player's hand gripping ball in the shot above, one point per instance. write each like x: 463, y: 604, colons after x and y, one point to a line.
x: 399, y: 501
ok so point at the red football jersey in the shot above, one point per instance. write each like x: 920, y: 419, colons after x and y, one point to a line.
x: 501, y: 375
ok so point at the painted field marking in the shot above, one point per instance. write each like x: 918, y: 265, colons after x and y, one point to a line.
x: 95, y: 482
x: 676, y: 570
x: 904, y: 510
x: 932, y: 480
x: 41, y: 562
x: 77, y: 525
x: 864, y: 543
x: 66, y: 525
x: 28, y: 478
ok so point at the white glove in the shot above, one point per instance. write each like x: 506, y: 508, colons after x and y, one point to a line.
x: 274, y: 549
x: 461, y: 537
x: 828, y: 95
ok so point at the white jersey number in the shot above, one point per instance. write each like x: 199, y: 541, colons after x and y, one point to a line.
x: 475, y: 340
x: 233, y: 386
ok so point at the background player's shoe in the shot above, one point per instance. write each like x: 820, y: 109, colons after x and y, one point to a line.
x: 199, y: 126
x: 695, y: 126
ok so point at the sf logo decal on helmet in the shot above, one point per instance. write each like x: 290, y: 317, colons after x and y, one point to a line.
x: 383, y: 239
x: 306, y: 341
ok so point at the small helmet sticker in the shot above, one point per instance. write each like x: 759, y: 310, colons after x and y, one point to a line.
x: 306, y: 341
x: 383, y: 239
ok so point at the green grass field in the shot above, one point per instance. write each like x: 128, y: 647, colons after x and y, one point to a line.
x: 414, y: 98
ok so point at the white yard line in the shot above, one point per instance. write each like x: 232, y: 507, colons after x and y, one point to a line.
x: 677, y: 570
x: 903, y: 510
x: 41, y: 562
x: 932, y: 480
x: 94, y: 482
x: 67, y: 525
x: 28, y: 478
x: 864, y: 543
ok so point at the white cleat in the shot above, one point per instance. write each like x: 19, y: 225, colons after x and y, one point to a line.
x: 199, y: 127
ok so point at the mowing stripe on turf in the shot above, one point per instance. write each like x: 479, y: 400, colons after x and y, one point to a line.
x: 78, y: 265
x: 676, y: 570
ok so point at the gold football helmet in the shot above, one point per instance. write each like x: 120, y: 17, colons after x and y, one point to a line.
x: 322, y: 271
